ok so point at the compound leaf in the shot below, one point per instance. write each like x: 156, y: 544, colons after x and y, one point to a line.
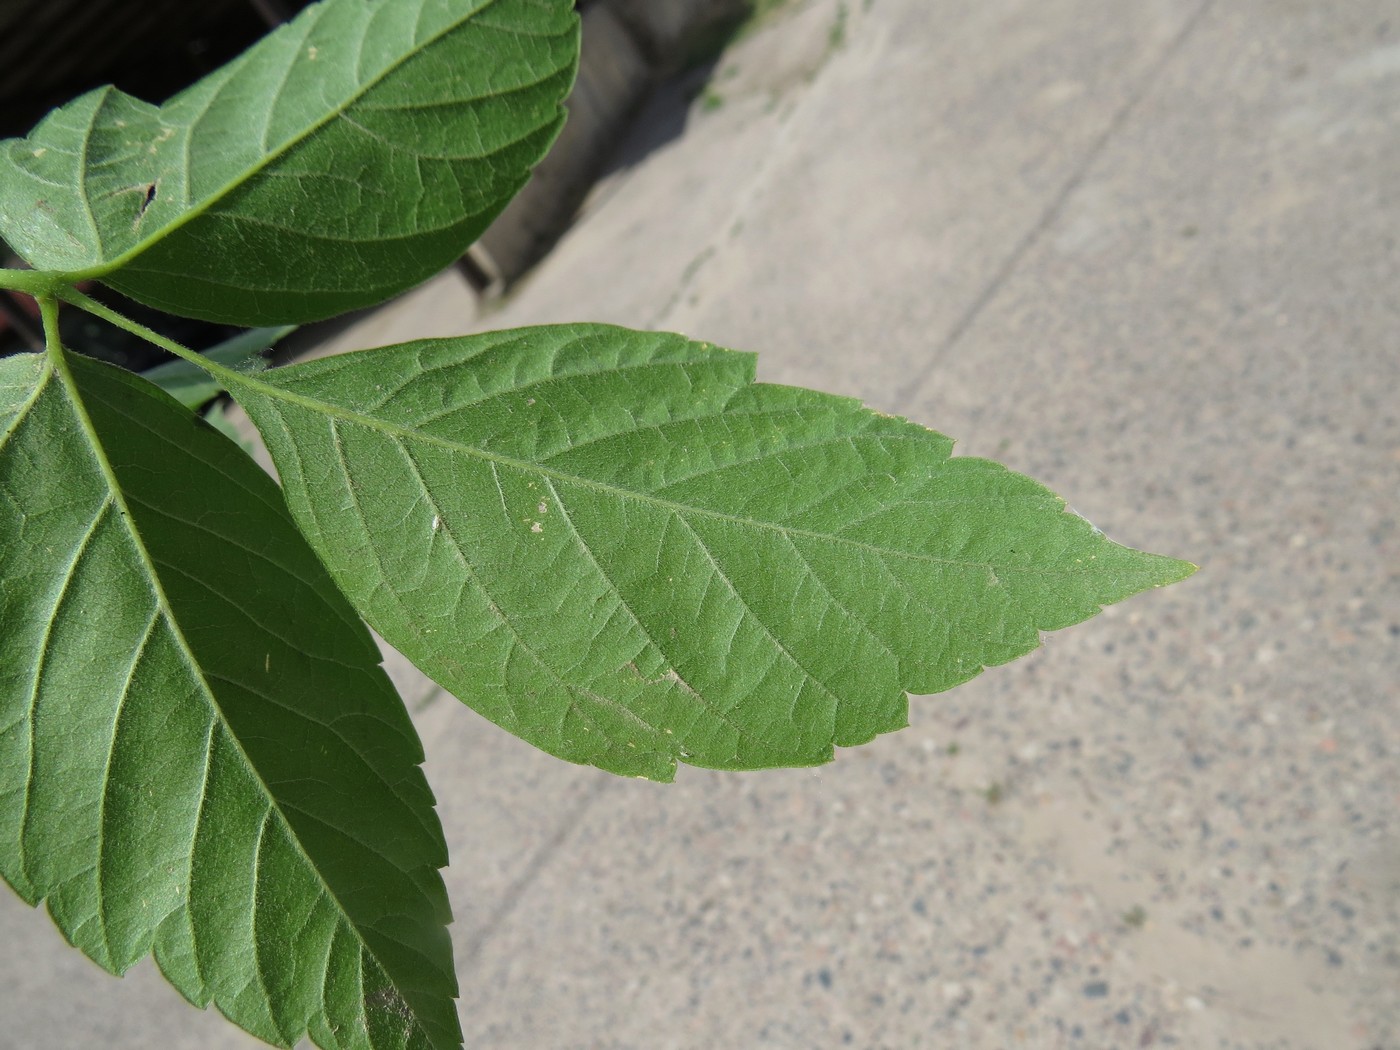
x: 349, y: 155
x: 199, y: 754
x: 617, y: 546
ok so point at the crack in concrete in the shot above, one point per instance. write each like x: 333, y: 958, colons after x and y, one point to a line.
x: 521, y: 884
x: 904, y: 396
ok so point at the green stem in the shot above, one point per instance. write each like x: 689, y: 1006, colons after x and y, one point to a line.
x: 92, y: 306
x: 48, y: 312
x: 37, y: 283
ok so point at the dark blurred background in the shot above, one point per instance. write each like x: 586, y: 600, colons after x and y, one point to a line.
x: 53, y: 50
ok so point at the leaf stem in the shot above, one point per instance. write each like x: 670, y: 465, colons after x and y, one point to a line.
x: 37, y: 283
x: 92, y: 306
x: 48, y: 312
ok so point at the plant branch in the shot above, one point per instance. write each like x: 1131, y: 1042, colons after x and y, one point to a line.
x: 48, y: 311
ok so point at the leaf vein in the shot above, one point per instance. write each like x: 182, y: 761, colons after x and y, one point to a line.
x: 102, y: 828
x: 41, y: 663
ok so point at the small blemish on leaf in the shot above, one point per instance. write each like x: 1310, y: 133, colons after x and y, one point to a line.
x: 312, y: 52
x: 544, y: 508
x: 148, y: 195
x: 437, y: 523
x: 536, y: 527
x: 41, y: 151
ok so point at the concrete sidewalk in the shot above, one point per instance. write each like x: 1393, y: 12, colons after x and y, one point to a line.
x: 1147, y: 253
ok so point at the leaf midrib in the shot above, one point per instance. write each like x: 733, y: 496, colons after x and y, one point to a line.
x: 402, y: 433
x: 188, y: 216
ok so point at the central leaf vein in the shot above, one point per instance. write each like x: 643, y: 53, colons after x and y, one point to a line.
x: 407, y: 434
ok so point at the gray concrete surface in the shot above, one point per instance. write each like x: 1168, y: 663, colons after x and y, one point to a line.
x: 1148, y: 253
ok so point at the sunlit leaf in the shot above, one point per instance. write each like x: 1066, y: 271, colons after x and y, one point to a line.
x: 617, y: 546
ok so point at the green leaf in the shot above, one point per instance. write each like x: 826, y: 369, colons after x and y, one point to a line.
x: 192, y: 386
x: 216, y: 415
x: 346, y: 157
x: 199, y: 754
x: 617, y: 546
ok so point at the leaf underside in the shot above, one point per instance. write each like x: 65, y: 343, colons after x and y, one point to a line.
x: 618, y: 547
x: 199, y: 754
x: 349, y: 155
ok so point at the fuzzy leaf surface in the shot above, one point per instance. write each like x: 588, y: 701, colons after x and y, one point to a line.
x: 200, y: 756
x: 350, y: 154
x: 619, y: 547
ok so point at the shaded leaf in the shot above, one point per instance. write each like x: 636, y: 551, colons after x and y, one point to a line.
x: 199, y: 754
x: 217, y: 416
x: 351, y: 154
x: 192, y: 386
x: 617, y: 546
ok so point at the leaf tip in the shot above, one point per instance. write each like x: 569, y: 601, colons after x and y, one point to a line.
x: 1165, y: 571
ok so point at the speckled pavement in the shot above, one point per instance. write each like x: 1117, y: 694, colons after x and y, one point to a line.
x: 1148, y: 253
